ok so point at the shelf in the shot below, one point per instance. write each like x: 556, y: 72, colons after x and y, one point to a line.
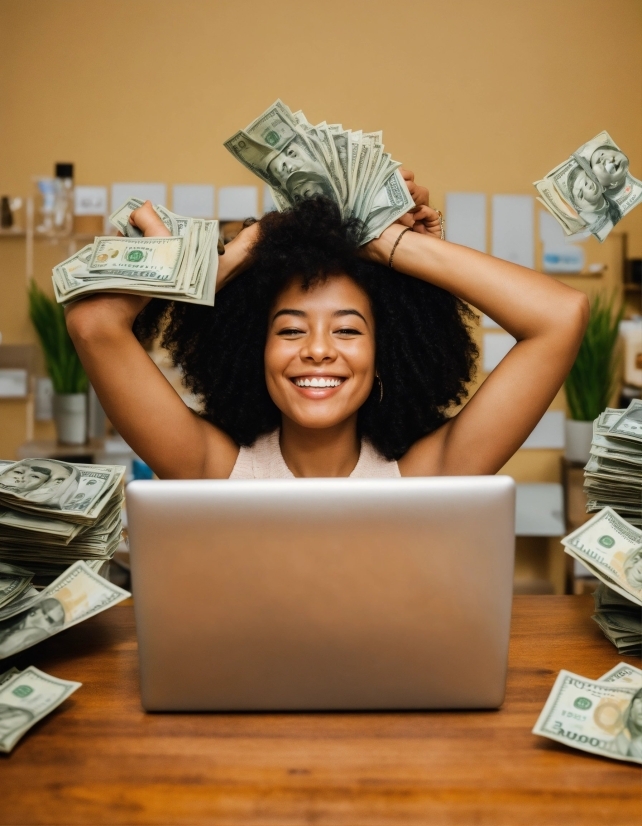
x: 13, y: 233
x: 633, y: 288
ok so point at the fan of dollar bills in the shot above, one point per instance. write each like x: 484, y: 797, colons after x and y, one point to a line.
x: 180, y: 268
x: 298, y: 160
x: 592, y: 190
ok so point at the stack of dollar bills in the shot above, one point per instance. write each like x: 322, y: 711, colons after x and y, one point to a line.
x: 613, y: 475
x: 592, y: 190
x: 53, y: 513
x: 611, y: 549
x: 298, y: 160
x: 181, y: 267
x: 602, y: 716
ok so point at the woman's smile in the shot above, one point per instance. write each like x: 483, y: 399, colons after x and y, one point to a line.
x: 316, y: 386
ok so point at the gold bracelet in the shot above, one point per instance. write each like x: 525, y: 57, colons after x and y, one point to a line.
x: 394, y: 247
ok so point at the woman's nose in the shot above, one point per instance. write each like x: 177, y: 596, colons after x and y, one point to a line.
x: 318, y: 347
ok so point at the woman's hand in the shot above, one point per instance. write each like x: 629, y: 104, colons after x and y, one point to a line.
x: 148, y: 222
x: 423, y: 218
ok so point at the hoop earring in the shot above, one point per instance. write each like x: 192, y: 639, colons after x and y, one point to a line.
x: 378, y: 378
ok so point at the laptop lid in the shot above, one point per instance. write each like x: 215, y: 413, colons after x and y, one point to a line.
x: 322, y: 593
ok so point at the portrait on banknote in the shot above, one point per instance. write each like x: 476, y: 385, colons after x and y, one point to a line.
x: 632, y: 567
x: 36, y: 624
x: 629, y: 741
x: 47, y: 482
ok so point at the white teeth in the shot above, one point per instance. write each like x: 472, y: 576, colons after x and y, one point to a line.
x: 317, y: 382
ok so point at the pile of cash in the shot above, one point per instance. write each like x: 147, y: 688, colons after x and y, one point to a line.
x: 619, y: 618
x: 53, y: 513
x: 26, y: 697
x: 181, y: 267
x: 613, y: 475
x: 602, y: 716
x: 611, y: 549
x: 592, y: 190
x: 76, y: 595
x: 298, y: 160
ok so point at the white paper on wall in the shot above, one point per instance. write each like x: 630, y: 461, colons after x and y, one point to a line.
x: 236, y: 203
x: 539, y: 509
x: 488, y: 322
x: 90, y: 200
x: 513, y: 229
x: 549, y: 432
x: 156, y: 193
x: 193, y: 200
x: 13, y: 383
x: 495, y: 347
x: 559, y: 254
x: 465, y: 219
x: 268, y: 200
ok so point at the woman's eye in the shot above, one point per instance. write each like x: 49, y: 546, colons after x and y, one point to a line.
x: 348, y: 331
x: 290, y: 331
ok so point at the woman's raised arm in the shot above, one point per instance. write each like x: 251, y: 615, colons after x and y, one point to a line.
x: 546, y: 317
x: 139, y: 401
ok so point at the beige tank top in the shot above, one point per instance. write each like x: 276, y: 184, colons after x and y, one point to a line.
x: 264, y: 460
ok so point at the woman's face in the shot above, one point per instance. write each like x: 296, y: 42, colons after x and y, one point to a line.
x: 586, y: 193
x: 320, y: 352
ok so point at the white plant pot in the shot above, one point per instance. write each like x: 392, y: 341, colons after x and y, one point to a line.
x: 578, y: 440
x: 70, y: 416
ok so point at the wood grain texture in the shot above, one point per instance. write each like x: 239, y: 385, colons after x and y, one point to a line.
x: 99, y: 759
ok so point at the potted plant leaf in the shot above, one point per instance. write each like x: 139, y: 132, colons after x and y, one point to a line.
x: 591, y: 383
x: 63, y: 366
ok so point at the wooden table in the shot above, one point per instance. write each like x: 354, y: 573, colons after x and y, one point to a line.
x: 100, y: 759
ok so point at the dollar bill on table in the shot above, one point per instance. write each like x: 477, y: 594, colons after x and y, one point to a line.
x: 26, y: 697
x: 298, y: 160
x: 75, y: 596
x: 592, y: 190
x: 599, y: 716
x: 14, y: 582
x: 181, y: 267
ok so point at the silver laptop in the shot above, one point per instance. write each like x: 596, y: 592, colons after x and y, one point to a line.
x: 322, y: 593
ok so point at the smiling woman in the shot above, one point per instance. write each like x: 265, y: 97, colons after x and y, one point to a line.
x: 322, y: 358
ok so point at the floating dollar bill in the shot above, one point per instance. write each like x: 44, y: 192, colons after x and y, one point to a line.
x: 298, y: 160
x: 592, y: 190
x: 26, y: 697
x: 181, y: 267
x: 602, y: 718
x: 611, y: 548
x: 72, y: 598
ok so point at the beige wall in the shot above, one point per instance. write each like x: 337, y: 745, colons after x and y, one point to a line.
x: 474, y: 96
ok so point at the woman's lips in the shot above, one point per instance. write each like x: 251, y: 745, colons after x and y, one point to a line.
x: 318, y: 392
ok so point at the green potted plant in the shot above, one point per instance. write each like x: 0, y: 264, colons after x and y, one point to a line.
x: 591, y: 383
x: 63, y: 366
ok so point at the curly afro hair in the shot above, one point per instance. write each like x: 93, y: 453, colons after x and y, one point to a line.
x: 425, y: 355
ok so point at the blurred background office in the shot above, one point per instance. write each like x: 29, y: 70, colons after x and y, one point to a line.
x: 101, y: 100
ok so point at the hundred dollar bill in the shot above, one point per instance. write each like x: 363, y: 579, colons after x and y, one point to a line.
x: 623, y: 673
x: 591, y: 190
x: 120, y: 218
x: 157, y: 259
x: 14, y: 581
x: 602, y: 718
x: 75, y: 596
x: 26, y: 697
x: 612, y: 549
x: 628, y: 426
